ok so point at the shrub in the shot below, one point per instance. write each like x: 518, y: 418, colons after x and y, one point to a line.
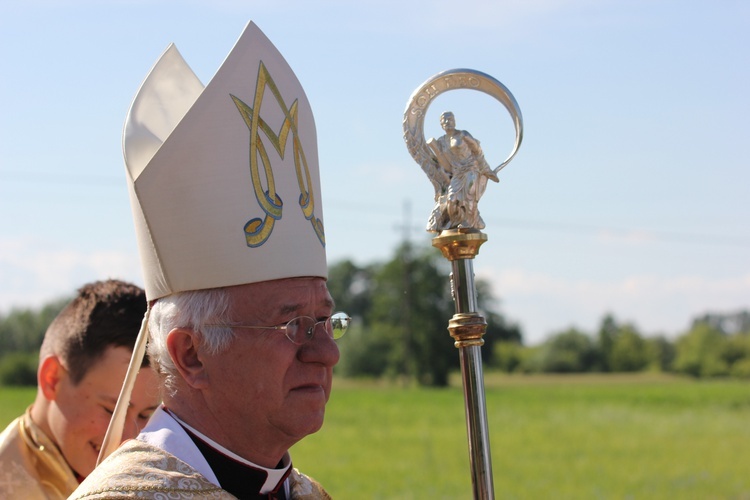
x: 571, y: 351
x: 18, y: 368
x: 507, y: 356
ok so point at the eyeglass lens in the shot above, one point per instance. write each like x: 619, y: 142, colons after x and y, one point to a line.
x: 301, y: 329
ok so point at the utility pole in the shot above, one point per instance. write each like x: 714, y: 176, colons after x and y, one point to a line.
x: 406, y: 304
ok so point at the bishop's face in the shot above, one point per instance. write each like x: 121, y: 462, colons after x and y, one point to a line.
x: 269, y: 392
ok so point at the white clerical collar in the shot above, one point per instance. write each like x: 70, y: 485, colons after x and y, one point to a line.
x: 273, y: 476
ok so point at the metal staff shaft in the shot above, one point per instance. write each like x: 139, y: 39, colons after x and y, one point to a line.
x: 467, y: 328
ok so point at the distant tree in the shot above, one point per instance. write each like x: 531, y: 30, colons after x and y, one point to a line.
x: 700, y: 352
x: 21, y: 335
x: 499, y: 328
x: 19, y: 368
x: 508, y: 356
x: 571, y: 351
x: 737, y: 354
x: 736, y: 348
x: 22, y: 330
x: 727, y: 323
x: 351, y: 287
x: 717, y: 344
x: 628, y: 352
x: 368, y: 352
x: 607, y: 336
x: 403, y: 307
x: 411, y: 300
x: 661, y: 353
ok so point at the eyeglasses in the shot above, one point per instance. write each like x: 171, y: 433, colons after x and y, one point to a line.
x: 302, y: 328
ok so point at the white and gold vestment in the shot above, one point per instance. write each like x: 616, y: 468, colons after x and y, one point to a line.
x: 164, y: 462
x: 31, y: 465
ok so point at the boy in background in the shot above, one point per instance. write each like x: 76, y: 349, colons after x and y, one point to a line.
x: 48, y: 451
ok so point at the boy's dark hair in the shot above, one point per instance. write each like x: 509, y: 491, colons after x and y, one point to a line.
x: 104, y: 313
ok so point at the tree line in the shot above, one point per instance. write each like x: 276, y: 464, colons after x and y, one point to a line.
x: 715, y: 345
x: 401, y: 309
x: 21, y: 335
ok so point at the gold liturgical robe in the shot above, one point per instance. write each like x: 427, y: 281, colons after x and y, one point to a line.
x: 164, y: 462
x: 31, y: 465
x: 141, y: 470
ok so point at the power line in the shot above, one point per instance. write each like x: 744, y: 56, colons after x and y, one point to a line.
x: 377, y: 208
x: 56, y: 178
x: 645, y: 234
x: 650, y: 235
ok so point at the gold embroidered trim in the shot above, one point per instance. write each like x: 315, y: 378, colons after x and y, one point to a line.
x: 121, y: 489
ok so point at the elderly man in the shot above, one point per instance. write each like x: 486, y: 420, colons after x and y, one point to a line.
x: 241, y: 326
x: 46, y: 452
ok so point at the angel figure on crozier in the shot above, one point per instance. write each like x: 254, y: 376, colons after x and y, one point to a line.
x: 459, y: 174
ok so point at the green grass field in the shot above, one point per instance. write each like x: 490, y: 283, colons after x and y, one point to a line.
x: 573, y: 437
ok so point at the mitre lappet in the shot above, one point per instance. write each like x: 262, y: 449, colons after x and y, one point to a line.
x: 224, y: 180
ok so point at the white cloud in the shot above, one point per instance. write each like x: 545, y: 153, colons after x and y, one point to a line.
x: 34, y: 272
x: 635, y: 236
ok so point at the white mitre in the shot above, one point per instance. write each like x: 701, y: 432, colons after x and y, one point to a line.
x: 224, y: 180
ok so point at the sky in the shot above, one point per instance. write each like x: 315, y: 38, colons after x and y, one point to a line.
x: 628, y: 195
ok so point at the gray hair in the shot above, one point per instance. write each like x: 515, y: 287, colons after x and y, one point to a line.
x: 192, y: 310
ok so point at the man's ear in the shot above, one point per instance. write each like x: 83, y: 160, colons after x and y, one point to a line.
x: 182, y: 344
x: 48, y: 376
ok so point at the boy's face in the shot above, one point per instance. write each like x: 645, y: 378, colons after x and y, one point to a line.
x: 79, y: 414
